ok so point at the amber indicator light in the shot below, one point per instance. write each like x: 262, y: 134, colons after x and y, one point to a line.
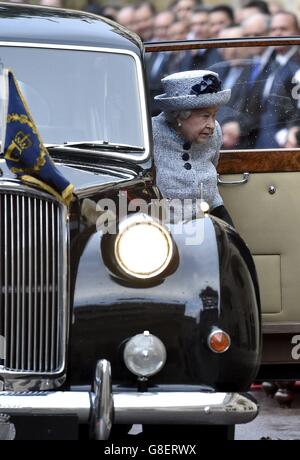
x: 218, y: 341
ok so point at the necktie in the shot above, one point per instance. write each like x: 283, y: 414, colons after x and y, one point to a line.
x: 255, y: 69
x: 275, y: 65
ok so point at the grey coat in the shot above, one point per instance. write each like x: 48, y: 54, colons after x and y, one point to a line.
x: 173, y: 179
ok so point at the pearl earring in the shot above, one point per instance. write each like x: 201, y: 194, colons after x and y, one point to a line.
x: 179, y: 124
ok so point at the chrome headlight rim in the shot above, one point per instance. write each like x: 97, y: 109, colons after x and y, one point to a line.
x: 143, y: 219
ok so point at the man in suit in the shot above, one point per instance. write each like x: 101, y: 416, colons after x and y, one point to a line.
x: 157, y: 63
x: 243, y: 68
x: 230, y: 71
x: 242, y: 125
x: 220, y: 17
x: 199, y: 30
x: 266, y: 101
x: 277, y: 106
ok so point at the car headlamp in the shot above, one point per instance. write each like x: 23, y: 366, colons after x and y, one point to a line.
x: 145, y: 354
x: 143, y: 247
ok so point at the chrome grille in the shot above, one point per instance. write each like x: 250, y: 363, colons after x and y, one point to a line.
x: 33, y: 283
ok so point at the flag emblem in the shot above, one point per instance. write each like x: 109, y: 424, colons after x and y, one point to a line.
x: 24, y: 151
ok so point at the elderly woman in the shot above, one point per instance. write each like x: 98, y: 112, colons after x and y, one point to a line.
x: 187, y: 138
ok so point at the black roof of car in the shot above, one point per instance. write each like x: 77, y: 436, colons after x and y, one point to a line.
x: 35, y: 24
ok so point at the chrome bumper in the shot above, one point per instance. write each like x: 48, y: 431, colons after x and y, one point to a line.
x: 101, y: 407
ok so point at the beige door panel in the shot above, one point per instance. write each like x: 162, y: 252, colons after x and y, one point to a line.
x: 269, y: 272
x: 270, y: 225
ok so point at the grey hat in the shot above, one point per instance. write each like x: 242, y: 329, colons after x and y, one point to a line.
x: 192, y: 89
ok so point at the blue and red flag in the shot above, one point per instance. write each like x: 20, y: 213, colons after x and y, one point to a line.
x: 24, y: 151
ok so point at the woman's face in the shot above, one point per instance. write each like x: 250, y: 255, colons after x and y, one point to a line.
x: 199, y: 126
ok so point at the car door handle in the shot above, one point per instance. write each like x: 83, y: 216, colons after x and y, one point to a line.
x: 245, y: 179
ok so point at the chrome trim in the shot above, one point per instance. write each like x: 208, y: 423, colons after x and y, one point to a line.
x: 23, y: 372
x: 142, y: 90
x: 102, y: 401
x: 121, y: 172
x: 91, y: 189
x: 184, y: 408
x: 246, y: 177
x: 130, y: 408
x: 216, y: 331
x: 181, y: 45
x: 96, y: 408
x: 47, y: 403
x: 272, y: 189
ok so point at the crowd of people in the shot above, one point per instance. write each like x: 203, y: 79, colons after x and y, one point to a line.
x: 264, y: 109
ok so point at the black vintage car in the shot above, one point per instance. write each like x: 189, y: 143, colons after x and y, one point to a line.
x: 133, y: 326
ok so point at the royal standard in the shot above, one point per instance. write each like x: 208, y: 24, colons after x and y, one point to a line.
x: 24, y: 151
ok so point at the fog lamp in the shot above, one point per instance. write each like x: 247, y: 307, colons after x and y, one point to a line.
x: 218, y: 341
x: 145, y: 354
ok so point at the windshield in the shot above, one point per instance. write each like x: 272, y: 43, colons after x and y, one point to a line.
x: 77, y: 96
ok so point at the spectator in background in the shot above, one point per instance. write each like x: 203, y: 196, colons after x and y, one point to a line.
x: 126, y: 17
x: 199, y: 30
x: 241, y: 125
x: 157, y: 63
x: 92, y: 6
x: 230, y: 71
x: 251, y: 8
x: 161, y: 64
x: 162, y: 23
x: 110, y: 12
x: 199, y: 24
x: 292, y: 138
x: 220, y: 16
x: 267, y: 98
x: 277, y: 106
x: 183, y: 9
x: 144, y: 18
x: 231, y: 67
x: 256, y: 25
x: 178, y: 31
x: 274, y: 7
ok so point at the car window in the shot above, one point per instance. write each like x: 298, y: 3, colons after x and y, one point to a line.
x: 264, y: 109
x: 79, y: 95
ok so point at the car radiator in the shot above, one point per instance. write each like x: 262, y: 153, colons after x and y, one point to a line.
x: 33, y: 281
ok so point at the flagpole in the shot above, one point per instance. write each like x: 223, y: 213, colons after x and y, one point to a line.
x: 3, y: 102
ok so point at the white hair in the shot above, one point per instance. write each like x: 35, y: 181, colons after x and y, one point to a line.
x: 172, y: 117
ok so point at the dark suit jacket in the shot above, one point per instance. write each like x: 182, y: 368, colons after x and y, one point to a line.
x: 235, y: 109
x: 202, y: 60
x: 157, y: 68
x: 279, y: 108
x: 266, y: 115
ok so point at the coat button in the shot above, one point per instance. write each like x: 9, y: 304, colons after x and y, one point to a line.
x: 185, y: 156
x: 186, y: 146
x: 187, y: 166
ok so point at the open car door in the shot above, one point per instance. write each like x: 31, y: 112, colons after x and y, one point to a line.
x: 259, y: 180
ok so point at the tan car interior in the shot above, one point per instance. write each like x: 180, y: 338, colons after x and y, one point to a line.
x: 266, y: 212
